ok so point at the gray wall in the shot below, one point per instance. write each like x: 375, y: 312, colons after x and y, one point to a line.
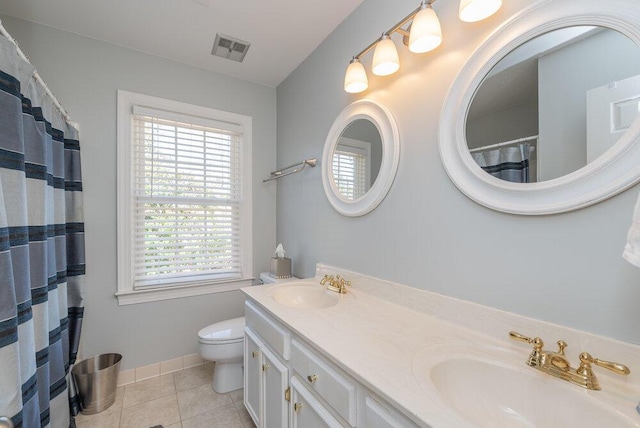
x: 598, y: 60
x: 564, y: 268
x: 85, y: 75
x: 504, y: 125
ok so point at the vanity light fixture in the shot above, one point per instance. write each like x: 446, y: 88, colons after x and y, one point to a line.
x: 385, y: 57
x: 477, y: 10
x: 423, y: 34
x: 355, y: 80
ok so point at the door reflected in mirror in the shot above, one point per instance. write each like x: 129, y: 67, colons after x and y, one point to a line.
x: 554, y: 104
x: 356, y: 159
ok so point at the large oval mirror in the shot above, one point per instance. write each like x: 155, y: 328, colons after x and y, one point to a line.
x: 519, y: 129
x: 360, y: 158
x: 542, y: 119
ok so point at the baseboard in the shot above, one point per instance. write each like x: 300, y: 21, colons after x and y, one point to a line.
x: 127, y: 377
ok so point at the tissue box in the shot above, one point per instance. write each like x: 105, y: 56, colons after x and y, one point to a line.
x: 281, y: 267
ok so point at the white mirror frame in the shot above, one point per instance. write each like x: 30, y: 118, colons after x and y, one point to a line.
x: 383, y: 120
x: 610, y: 174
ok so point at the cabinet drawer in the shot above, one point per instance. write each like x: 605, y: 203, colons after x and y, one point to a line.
x: 379, y: 415
x: 307, y: 411
x: 269, y: 330
x: 336, y: 389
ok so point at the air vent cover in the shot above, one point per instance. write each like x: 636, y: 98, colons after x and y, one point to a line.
x: 230, y: 47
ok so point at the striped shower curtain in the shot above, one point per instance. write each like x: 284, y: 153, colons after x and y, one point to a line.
x: 41, y: 250
x: 506, y: 163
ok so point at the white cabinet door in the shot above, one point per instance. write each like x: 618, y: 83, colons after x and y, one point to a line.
x: 274, y: 379
x: 307, y: 411
x: 252, y: 374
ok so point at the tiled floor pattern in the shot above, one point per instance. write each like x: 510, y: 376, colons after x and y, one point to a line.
x: 183, y: 399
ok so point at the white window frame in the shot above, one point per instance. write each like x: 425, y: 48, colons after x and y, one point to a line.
x: 126, y: 293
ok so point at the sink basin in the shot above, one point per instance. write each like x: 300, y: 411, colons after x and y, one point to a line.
x: 494, y: 388
x: 304, y: 295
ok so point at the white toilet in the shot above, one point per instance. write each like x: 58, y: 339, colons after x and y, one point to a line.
x: 223, y: 342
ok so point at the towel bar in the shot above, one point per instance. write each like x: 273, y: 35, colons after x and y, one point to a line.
x: 281, y: 172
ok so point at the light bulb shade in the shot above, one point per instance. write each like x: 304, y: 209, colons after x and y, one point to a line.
x: 477, y: 10
x: 355, y: 79
x: 385, y: 57
x: 426, y: 33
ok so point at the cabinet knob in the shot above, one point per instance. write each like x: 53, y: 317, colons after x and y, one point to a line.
x: 312, y: 378
x: 254, y: 354
x: 297, y: 406
x: 265, y: 367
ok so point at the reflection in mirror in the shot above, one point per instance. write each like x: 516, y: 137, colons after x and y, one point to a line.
x: 554, y: 104
x: 356, y: 159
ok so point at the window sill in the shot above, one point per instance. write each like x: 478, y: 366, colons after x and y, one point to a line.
x: 133, y: 297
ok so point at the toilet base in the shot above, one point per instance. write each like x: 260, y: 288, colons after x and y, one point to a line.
x: 227, y: 377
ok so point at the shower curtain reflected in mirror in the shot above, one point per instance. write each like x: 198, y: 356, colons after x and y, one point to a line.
x: 509, y: 163
x: 42, y: 262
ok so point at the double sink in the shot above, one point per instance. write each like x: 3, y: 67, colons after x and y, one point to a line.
x: 482, y: 385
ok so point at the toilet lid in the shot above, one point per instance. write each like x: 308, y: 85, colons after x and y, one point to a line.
x: 223, y: 332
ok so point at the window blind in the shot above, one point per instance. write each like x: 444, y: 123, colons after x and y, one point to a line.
x: 349, y: 173
x: 187, y: 191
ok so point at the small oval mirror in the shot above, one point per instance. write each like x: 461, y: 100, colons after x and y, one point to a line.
x: 360, y: 158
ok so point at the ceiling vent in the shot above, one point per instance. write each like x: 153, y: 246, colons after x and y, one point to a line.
x: 230, y: 48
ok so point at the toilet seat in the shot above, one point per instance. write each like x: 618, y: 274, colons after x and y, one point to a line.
x: 223, y: 332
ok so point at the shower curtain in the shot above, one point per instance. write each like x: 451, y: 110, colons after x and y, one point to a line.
x: 510, y: 163
x: 41, y: 250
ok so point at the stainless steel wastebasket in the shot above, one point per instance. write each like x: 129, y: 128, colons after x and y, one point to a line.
x: 97, y: 381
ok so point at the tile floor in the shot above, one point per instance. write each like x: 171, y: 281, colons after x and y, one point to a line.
x: 183, y: 399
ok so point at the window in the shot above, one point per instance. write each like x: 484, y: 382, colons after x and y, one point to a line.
x: 184, y: 215
x: 351, y: 160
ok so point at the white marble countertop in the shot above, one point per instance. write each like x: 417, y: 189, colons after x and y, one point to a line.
x: 379, y: 331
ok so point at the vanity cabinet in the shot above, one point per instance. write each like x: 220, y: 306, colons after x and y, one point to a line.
x: 266, y: 376
x: 288, y: 383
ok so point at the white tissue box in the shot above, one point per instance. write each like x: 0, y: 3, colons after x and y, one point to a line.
x: 281, y: 267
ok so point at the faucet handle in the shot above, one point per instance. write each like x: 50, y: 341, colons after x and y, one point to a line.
x: 536, y: 341
x: 561, y: 345
x: 586, y: 359
x: 538, y: 357
x: 343, y: 282
x: 340, y: 285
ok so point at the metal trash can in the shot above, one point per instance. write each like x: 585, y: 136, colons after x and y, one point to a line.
x: 97, y: 381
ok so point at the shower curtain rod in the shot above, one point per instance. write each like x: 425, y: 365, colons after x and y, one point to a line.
x: 505, y: 143
x: 38, y: 79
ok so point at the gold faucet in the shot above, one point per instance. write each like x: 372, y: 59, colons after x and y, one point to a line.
x: 337, y: 284
x: 557, y: 364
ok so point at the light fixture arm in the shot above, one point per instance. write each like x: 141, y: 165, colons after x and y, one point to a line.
x: 397, y: 28
x: 423, y: 33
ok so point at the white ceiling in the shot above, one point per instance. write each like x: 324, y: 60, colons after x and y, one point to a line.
x: 282, y: 33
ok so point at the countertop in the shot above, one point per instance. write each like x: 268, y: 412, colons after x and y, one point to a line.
x: 379, y: 330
